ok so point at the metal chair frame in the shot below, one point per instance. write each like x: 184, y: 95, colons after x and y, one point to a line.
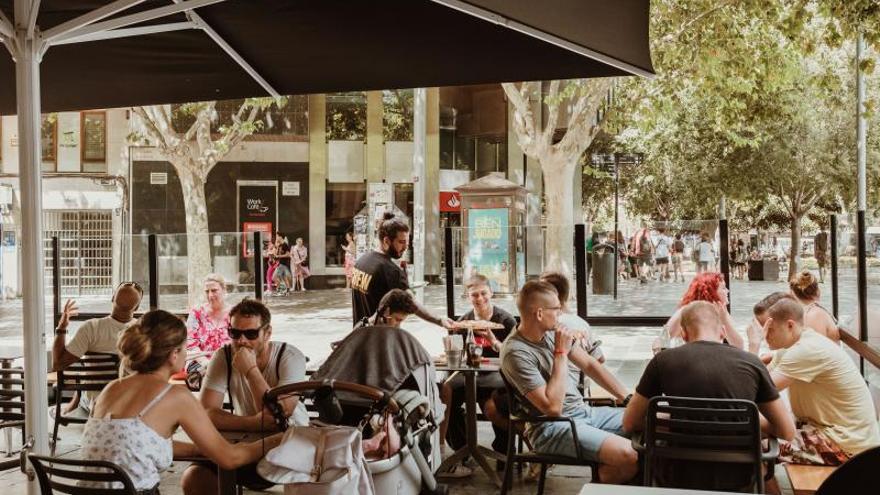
x: 48, y: 474
x: 516, y: 422
x: 698, y: 429
x: 90, y: 374
x: 12, y: 403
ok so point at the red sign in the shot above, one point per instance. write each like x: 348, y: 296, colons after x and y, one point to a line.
x: 450, y: 201
x: 248, y: 229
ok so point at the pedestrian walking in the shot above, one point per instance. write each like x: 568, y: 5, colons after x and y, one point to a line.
x: 300, y: 259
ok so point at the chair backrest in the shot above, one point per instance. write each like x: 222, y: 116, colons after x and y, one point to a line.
x: 851, y: 477
x: 703, y: 430
x: 61, y: 476
x: 11, y: 395
x: 92, y: 372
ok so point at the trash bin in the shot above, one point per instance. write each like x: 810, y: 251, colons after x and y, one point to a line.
x: 603, y: 269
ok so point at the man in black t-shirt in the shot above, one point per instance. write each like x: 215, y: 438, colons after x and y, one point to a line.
x: 282, y: 273
x: 376, y: 273
x: 707, y: 368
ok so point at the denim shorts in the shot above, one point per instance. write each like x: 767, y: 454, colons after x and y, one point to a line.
x: 593, y: 425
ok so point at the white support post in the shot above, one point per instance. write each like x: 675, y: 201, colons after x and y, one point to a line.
x: 420, y: 146
x: 27, y: 81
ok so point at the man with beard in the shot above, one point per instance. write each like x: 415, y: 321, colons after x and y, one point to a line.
x: 376, y: 273
x: 246, y: 368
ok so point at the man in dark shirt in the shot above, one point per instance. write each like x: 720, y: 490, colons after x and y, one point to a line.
x: 707, y: 368
x: 376, y: 273
x: 282, y: 272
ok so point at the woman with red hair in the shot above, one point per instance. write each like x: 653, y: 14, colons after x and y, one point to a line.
x: 709, y: 287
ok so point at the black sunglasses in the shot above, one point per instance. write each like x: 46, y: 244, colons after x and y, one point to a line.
x: 250, y: 334
x: 136, y: 286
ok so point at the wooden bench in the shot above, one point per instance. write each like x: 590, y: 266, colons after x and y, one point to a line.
x: 805, y: 480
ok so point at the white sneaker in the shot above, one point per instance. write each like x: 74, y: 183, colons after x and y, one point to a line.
x: 457, y: 471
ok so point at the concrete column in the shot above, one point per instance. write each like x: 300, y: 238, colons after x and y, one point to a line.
x: 433, y: 236
x: 317, y: 182
x: 375, y: 137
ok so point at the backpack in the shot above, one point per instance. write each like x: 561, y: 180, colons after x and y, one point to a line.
x: 227, y: 351
x: 678, y: 246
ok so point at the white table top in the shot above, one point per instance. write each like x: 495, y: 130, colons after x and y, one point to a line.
x: 600, y: 489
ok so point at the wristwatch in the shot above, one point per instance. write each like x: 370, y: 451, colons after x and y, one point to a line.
x: 626, y: 400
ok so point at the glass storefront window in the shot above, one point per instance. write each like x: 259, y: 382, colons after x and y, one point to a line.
x: 347, y: 116
x: 344, y: 200
x: 49, y: 141
x: 398, y: 114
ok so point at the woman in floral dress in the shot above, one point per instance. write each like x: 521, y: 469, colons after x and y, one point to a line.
x: 299, y: 254
x: 208, y: 323
x: 350, y: 256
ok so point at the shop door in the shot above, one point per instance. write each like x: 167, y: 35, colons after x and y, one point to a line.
x: 86, y: 239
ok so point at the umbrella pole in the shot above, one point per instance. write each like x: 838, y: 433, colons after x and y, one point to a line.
x: 27, y: 81
x: 861, y: 133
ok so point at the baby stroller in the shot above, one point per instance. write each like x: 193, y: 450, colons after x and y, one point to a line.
x: 403, y: 423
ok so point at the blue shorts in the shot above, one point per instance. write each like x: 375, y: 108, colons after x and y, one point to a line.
x: 594, y: 425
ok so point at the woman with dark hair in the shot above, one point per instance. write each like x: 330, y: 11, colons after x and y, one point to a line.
x: 709, y: 287
x: 805, y: 288
x: 133, y: 419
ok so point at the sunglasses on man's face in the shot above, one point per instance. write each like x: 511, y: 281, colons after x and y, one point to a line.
x: 250, y: 334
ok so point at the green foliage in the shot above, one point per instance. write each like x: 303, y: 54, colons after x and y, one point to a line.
x: 398, y: 114
x: 347, y: 116
x: 753, y: 100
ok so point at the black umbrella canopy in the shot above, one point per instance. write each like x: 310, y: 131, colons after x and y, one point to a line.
x: 317, y: 46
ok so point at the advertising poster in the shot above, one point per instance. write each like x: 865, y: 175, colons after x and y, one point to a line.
x: 488, y: 246
x: 257, y: 210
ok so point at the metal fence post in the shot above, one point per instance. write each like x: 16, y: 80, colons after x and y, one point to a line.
x: 56, y: 280
x: 258, y: 265
x: 153, y: 266
x: 835, y: 301
x: 450, y: 273
x: 724, y: 234
x: 580, y: 268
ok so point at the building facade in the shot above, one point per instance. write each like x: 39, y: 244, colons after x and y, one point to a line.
x: 311, y: 166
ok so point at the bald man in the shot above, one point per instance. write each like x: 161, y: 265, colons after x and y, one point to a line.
x: 705, y: 367
x: 97, y: 334
x: 542, y: 363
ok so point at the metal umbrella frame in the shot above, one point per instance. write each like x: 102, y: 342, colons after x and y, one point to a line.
x: 557, y: 28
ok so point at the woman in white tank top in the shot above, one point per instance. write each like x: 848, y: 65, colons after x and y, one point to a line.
x: 134, y: 417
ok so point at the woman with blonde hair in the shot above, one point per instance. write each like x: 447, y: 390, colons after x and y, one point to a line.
x: 133, y: 419
x: 207, y: 323
x: 805, y: 288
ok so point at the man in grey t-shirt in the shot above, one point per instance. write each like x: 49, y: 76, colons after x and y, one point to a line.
x: 535, y: 359
x: 246, y: 369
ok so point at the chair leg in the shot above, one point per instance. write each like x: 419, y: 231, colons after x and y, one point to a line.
x: 542, y: 478
x: 509, y: 461
x: 54, y: 443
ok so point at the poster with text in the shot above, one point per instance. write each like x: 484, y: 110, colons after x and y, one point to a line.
x: 488, y: 247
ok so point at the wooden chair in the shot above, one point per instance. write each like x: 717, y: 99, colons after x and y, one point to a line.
x: 90, y: 374
x: 61, y: 476
x: 708, y: 430
x: 11, y: 403
x: 516, y: 425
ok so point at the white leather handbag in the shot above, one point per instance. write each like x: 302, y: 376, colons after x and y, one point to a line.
x: 319, y: 460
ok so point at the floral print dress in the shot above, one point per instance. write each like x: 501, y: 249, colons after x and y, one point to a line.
x: 205, y: 333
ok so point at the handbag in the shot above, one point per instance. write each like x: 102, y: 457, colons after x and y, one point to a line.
x: 319, y: 460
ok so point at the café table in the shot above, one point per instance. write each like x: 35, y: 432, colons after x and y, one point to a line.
x: 602, y: 489
x: 472, y: 448
x: 226, y: 478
